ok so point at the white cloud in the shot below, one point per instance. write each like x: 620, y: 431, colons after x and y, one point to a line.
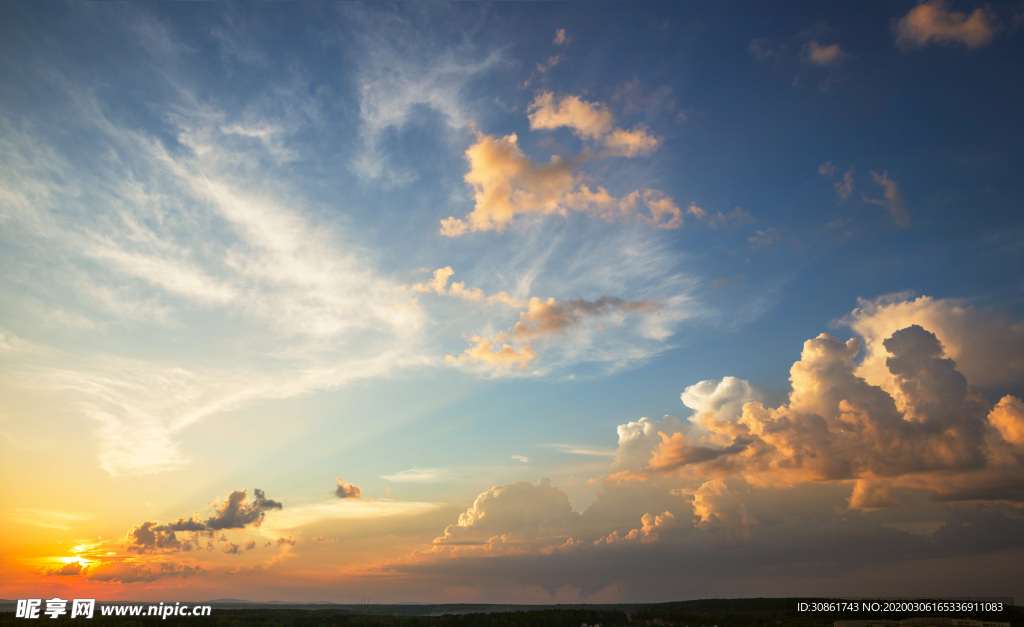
x: 401, y: 70
x: 723, y: 398
x: 213, y: 241
x: 416, y: 475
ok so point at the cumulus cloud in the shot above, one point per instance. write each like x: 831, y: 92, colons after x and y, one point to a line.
x: 650, y: 525
x: 724, y: 398
x: 891, y: 199
x: 944, y: 438
x: 988, y: 347
x: 933, y: 22
x: 637, y: 440
x: 841, y: 465
x: 235, y: 512
x: 438, y: 284
x: 347, y: 491
x: 506, y: 184
x: 1008, y: 418
x: 561, y: 38
x: 592, y: 121
x: 484, y: 351
x: 515, y: 516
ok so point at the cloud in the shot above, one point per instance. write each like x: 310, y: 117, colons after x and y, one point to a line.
x: 561, y: 39
x: 820, y: 55
x: 507, y: 184
x: 132, y: 572
x: 844, y: 187
x: 841, y: 465
x: 1008, y: 418
x: 762, y: 49
x: 765, y: 238
x: 347, y: 491
x: 987, y: 346
x: 933, y: 22
x: 550, y: 317
x: 206, y: 232
x: 282, y: 541
x: 415, y: 475
x: 484, y: 351
x: 724, y: 398
x: 573, y: 449
x: 891, y: 199
x: 589, y: 120
x: 942, y: 438
x: 323, y: 540
x: 401, y: 71
x: 521, y: 458
x: 231, y: 548
x: 512, y: 516
x: 638, y: 439
x: 735, y: 218
x: 438, y: 284
x: 235, y: 512
x: 551, y: 62
x: 541, y: 319
x: 69, y: 569
x: 650, y: 525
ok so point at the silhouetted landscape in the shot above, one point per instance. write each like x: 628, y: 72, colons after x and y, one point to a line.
x: 780, y: 612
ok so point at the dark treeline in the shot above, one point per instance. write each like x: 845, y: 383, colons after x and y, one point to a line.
x: 707, y: 612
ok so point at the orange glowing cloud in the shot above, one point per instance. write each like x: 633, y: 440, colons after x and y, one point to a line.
x: 837, y: 427
x: 933, y: 22
x: 506, y: 183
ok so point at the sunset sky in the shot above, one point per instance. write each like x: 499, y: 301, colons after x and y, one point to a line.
x: 514, y: 302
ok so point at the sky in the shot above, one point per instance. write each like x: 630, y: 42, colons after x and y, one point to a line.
x: 512, y: 302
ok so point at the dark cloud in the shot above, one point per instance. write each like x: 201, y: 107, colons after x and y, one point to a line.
x: 347, y: 491
x: 235, y: 512
x: 128, y: 572
x: 184, y: 524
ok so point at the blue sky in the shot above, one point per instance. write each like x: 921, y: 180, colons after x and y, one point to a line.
x: 452, y: 254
